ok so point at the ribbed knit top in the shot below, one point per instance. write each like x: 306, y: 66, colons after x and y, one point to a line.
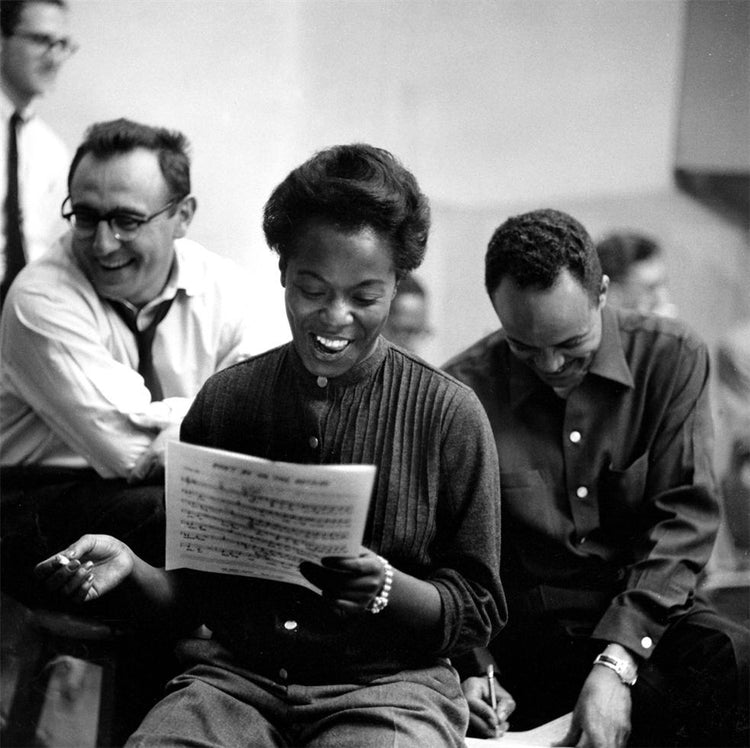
x: 434, y: 512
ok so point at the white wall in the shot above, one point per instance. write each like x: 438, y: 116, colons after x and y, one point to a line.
x: 486, y: 102
x: 708, y: 261
x: 715, y: 101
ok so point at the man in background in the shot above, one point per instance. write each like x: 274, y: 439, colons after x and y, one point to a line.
x: 104, y: 342
x: 407, y: 321
x: 609, y: 509
x: 637, y: 273
x: 733, y: 380
x: 34, y: 160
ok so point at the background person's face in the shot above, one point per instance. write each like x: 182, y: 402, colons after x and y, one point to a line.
x: 645, y: 288
x: 338, y: 290
x: 135, y: 270
x: 27, y: 69
x: 407, y: 321
x: 554, y: 331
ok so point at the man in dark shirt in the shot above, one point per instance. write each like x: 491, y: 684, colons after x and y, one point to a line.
x: 603, y: 430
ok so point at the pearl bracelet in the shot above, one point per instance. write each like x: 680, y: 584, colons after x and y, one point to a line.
x: 380, y: 601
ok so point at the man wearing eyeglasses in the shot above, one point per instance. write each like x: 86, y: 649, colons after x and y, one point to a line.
x: 33, y: 159
x: 104, y: 342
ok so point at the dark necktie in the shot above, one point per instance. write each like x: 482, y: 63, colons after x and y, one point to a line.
x: 15, y: 257
x: 145, y: 340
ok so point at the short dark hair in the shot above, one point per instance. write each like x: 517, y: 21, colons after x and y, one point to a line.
x: 353, y: 186
x: 619, y: 251
x: 533, y: 248
x: 410, y: 285
x: 11, y: 11
x: 120, y: 136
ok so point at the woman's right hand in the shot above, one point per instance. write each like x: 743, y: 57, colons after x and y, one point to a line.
x: 88, y: 569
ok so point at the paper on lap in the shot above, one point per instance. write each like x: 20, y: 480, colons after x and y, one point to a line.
x: 547, y: 734
x: 231, y: 513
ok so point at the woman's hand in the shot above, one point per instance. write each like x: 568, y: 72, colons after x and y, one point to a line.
x: 86, y: 570
x: 350, y: 584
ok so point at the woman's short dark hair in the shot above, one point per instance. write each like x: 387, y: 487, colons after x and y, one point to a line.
x: 354, y: 187
x: 106, y: 139
x: 532, y: 248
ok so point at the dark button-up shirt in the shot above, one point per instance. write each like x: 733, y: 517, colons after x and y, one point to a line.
x: 434, y: 511
x: 609, y: 509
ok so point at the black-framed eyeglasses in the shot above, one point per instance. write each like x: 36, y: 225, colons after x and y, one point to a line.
x: 124, y: 226
x: 63, y: 46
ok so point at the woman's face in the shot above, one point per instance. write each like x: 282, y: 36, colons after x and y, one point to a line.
x: 338, y: 290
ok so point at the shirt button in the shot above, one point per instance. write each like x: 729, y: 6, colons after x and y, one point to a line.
x: 582, y: 492
x: 283, y: 674
x: 582, y: 540
x: 647, y: 642
x: 313, y: 442
x: 322, y: 382
x: 575, y: 436
x: 290, y: 625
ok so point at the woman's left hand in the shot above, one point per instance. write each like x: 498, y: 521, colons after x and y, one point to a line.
x: 349, y: 583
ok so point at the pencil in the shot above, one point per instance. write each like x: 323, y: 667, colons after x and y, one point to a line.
x: 491, y: 686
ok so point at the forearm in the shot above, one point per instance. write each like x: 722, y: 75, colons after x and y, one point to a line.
x: 75, y: 386
x: 468, y: 543
x: 415, y: 604
x: 158, y: 600
x: 662, y: 580
x: 97, y: 431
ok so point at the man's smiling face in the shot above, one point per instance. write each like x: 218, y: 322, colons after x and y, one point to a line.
x: 130, y: 183
x: 554, y: 331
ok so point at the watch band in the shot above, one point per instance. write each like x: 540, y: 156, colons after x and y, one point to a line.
x: 626, y: 671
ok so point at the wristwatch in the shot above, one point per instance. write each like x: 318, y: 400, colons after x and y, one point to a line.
x: 627, y: 671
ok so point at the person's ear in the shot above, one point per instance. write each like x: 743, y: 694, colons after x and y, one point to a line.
x: 282, y: 271
x: 185, y: 212
x: 603, y: 291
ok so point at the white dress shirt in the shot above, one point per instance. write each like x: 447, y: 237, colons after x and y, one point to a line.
x: 43, y: 162
x: 70, y: 393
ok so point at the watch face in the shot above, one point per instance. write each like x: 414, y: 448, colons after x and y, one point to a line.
x: 627, y: 672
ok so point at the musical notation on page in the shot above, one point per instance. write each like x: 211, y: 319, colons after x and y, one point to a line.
x: 235, y: 514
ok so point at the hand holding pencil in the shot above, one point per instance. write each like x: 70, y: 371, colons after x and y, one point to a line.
x: 490, y: 705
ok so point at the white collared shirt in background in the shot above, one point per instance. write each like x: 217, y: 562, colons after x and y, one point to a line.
x: 70, y: 393
x: 43, y: 162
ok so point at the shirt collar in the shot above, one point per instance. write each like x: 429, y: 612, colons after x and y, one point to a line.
x: 358, y: 373
x: 8, y: 107
x: 184, y: 275
x: 609, y: 362
x: 187, y: 276
x: 522, y: 382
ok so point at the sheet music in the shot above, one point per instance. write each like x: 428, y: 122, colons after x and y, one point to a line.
x: 235, y: 514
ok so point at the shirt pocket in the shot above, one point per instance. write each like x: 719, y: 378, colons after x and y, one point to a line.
x: 525, y: 496
x: 622, y: 490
